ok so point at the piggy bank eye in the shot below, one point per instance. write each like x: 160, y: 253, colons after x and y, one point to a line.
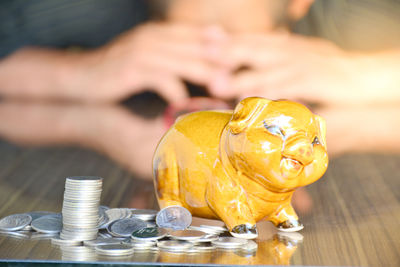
x: 316, y: 141
x: 273, y: 129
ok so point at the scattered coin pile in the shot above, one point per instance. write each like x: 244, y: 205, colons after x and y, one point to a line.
x: 85, y: 228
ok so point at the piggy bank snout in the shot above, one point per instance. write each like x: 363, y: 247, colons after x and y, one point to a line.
x: 299, y: 148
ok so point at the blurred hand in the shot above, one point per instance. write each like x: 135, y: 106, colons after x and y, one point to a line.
x: 109, y: 129
x: 154, y: 56
x: 282, y: 65
x: 151, y: 56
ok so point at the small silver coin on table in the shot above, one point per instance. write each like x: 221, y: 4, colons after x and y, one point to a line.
x: 125, y: 227
x: 38, y: 214
x: 115, y: 214
x: 149, y: 233
x: 101, y: 241
x: 15, y: 222
x: 174, y: 217
x: 174, y: 245
x: 187, y: 235
x: 47, y: 224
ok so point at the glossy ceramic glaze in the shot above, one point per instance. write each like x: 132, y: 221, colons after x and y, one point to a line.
x: 241, y: 166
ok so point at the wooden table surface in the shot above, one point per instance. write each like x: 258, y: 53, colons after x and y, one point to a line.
x: 354, y: 220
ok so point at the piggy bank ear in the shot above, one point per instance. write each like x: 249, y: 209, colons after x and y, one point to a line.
x: 246, y: 112
x: 321, y: 124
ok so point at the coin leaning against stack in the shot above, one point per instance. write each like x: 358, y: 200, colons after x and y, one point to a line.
x: 80, y: 211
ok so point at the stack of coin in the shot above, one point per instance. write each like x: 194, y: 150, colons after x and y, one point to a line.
x: 80, y: 210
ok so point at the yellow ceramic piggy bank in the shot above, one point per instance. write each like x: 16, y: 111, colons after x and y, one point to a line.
x: 241, y: 166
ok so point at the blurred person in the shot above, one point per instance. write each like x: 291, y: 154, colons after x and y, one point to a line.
x: 251, y: 36
x: 356, y: 87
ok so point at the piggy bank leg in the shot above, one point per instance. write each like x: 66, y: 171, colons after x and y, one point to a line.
x: 286, y: 219
x: 229, y: 203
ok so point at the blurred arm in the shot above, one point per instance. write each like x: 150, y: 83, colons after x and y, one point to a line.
x: 43, y: 73
x: 151, y: 56
x: 310, y: 69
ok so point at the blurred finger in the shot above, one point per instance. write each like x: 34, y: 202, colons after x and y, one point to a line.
x: 191, y: 69
x: 262, y: 82
x: 171, y: 89
x: 254, y: 51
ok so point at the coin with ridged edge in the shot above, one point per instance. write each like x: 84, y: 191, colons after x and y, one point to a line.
x: 15, y: 222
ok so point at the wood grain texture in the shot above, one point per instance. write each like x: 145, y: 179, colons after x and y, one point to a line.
x: 354, y: 220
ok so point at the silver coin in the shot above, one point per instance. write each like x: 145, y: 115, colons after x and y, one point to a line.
x: 38, y: 214
x: 144, y: 214
x: 125, y: 227
x: 47, y: 224
x: 229, y: 242
x: 149, y: 233
x: 205, y: 239
x: 43, y: 236
x: 174, y: 217
x: 114, y: 249
x: 104, y: 234
x: 15, y: 222
x: 174, y: 245
x: 103, y: 208
x: 101, y: 241
x: 115, y: 214
x: 65, y: 242
x: 186, y: 235
x: 102, y: 222
x: 18, y: 234
x: 151, y: 224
